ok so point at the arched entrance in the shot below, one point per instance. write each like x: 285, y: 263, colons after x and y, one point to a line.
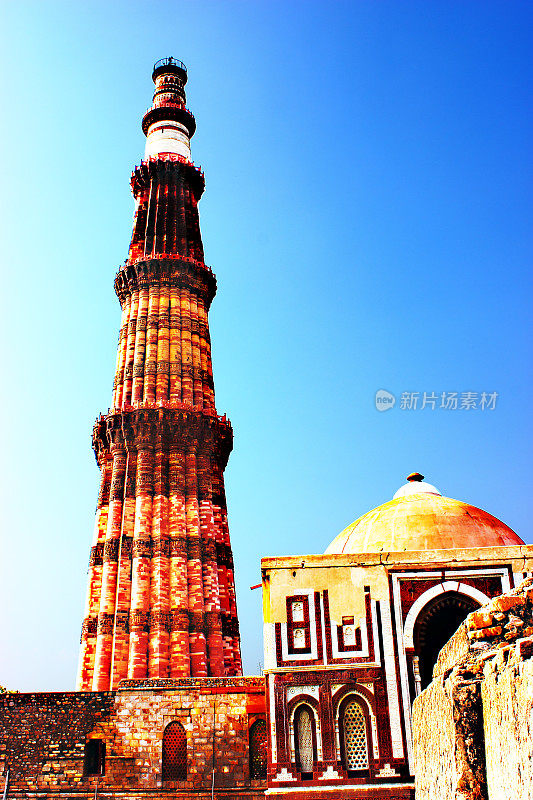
x: 305, y: 741
x: 354, y: 735
x: 436, y: 623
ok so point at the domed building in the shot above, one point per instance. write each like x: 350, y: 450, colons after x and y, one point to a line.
x: 351, y: 637
x: 420, y: 518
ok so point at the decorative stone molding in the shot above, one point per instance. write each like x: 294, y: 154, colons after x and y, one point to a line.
x: 284, y: 775
x: 176, y: 270
x: 330, y: 774
x: 387, y: 772
x: 147, y: 427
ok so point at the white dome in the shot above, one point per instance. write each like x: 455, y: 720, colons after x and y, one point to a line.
x: 416, y: 487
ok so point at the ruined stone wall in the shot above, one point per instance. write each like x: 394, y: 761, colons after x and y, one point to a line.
x: 43, y: 737
x: 472, y: 726
x: 507, y: 693
x: 436, y: 774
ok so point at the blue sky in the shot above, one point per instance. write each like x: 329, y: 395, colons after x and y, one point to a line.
x: 368, y: 215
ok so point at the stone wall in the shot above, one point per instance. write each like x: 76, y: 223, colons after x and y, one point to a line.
x: 473, y: 725
x: 43, y: 737
x: 507, y: 692
x: 434, y: 767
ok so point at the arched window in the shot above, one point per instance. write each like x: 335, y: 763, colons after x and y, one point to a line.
x: 174, y: 752
x: 354, y: 735
x: 94, y: 757
x: 304, y: 741
x: 258, y: 749
x: 437, y: 622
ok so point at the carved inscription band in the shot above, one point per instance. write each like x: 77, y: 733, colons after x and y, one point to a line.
x: 167, y: 547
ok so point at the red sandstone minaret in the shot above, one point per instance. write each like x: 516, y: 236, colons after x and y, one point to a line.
x: 161, y: 596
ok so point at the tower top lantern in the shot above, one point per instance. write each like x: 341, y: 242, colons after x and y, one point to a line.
x: 170, y: 64
x: 168, y: 124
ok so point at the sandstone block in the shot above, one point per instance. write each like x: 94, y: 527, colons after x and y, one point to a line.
x: 505, y: 602
x: 479, y: 619
x: 486, y: 633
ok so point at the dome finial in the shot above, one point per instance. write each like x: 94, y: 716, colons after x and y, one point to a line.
x: 415, y: 485
x: 415, y: 476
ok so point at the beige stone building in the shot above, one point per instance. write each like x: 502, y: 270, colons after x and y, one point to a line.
x: 351, y: 637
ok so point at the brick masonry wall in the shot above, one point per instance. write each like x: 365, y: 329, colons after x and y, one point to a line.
x: 43, y: 736
x: 482, y: 747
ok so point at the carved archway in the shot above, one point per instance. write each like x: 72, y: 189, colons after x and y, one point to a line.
x: 174, y: 752
x: 355, y: 735
x: 435, y: 625
x: 305, y: 745
x: 257, y: 742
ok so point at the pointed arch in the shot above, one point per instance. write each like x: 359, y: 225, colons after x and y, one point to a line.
x: 424, y: 599
x: 257, y: 738
x: 174, y: 753
x: 305, y: 750
x: 354, y: 734
x: 435, y: 625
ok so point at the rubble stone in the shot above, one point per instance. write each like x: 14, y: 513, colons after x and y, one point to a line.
x: 482, y: 748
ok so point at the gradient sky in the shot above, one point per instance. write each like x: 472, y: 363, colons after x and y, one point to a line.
x: 368, y: 215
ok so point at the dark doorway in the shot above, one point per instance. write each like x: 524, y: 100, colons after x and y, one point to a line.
x: 94, y: 757
x: 437, y: 623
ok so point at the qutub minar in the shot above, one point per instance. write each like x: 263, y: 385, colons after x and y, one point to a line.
x: 161, y: 596
x: 351, y: 636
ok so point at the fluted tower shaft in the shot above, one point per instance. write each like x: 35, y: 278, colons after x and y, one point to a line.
x: 161, y: 594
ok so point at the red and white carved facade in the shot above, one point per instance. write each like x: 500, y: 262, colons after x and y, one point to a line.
x: 161, y: 595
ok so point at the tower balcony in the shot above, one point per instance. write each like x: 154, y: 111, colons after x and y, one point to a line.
x: 172, y: 65
x: 176, y: 112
